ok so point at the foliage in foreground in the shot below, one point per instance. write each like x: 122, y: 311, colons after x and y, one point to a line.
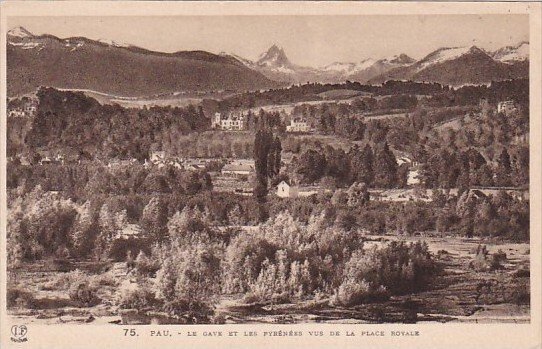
x: 284, y: 261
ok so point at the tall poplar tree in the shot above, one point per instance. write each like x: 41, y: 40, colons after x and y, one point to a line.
x: 385, y: 168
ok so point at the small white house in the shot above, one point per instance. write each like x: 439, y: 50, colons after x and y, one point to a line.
x: 129, y: 231
x: 413, y: 177
x: 506, y: 107
x: 285, y: 190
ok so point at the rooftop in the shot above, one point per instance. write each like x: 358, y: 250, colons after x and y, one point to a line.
x: 237, y: 167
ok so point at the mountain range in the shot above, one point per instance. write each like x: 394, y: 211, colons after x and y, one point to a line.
x: 448, y: 65
x: 119, y: 69
x: 463, y: 65
x: 126, y: 70
x: 275, y: 65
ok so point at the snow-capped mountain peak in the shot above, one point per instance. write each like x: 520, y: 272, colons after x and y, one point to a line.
x: 348, y: 68
x: 511, y: 54
x: 401, y: 59
x: 113, y: 43
x: 22, y: 38
x: 20, y: 32
x: 339, y: 67
x: 449, y: 53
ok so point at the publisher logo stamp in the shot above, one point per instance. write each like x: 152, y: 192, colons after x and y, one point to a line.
x: 18, y: 333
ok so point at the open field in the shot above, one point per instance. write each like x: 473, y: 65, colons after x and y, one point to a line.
x: 386, y: 116
x: 176, y: 99
x: 454, y: 124
x: 343, y: 94
x: 460, y: 294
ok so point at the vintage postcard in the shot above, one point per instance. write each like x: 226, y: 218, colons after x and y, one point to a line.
x: 270, y: 174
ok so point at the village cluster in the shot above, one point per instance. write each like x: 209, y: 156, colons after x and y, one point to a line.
x: 237, y: 175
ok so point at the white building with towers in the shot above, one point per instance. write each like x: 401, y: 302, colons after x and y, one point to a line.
x: 231, y: 122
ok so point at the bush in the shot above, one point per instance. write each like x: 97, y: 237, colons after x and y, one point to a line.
x: 17, y: 298
x: 395, y: 269
x: 400, y: 267
x: 83, y: 293
x: 480, y: 261
x: 521, y: 294
x: 250, y: 298
x: 189, y: 280
x: 59, y: 265
x: 443, y: 255
x: 352, y: 292
x: 522, y: 273
x: 133, y: 296
x: 104, y: 280
x: 66, y: 280
x: 218, y: 319
x: 119, y: 248
x: 497, y: 259
x: 194, y: 311
x: 145, y: 266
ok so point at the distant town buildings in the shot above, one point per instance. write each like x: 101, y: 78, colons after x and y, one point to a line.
x: 506, y: 107
x: 230, y: 122
x: 235, y: 177
x: 121, y: 162
x: 404, y: 195
x: 239, y: 167
x: 25, y: 109
x: 298, y: 125
x: 47, y: 158
x: 160, y: 159
x: 157, y: 156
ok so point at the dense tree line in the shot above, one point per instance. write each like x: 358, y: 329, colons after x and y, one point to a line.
x: 517, y: 90
x: 438, y: 95
x: 71, y: 120
x: 312, y: 91
x: 375, y: 166
x: 81, y: 182
x: 466, y: 169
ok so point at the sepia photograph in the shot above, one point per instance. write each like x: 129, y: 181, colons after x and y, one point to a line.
x: 267, y: 169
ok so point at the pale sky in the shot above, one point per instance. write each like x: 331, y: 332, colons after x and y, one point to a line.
x: 307, y: 40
